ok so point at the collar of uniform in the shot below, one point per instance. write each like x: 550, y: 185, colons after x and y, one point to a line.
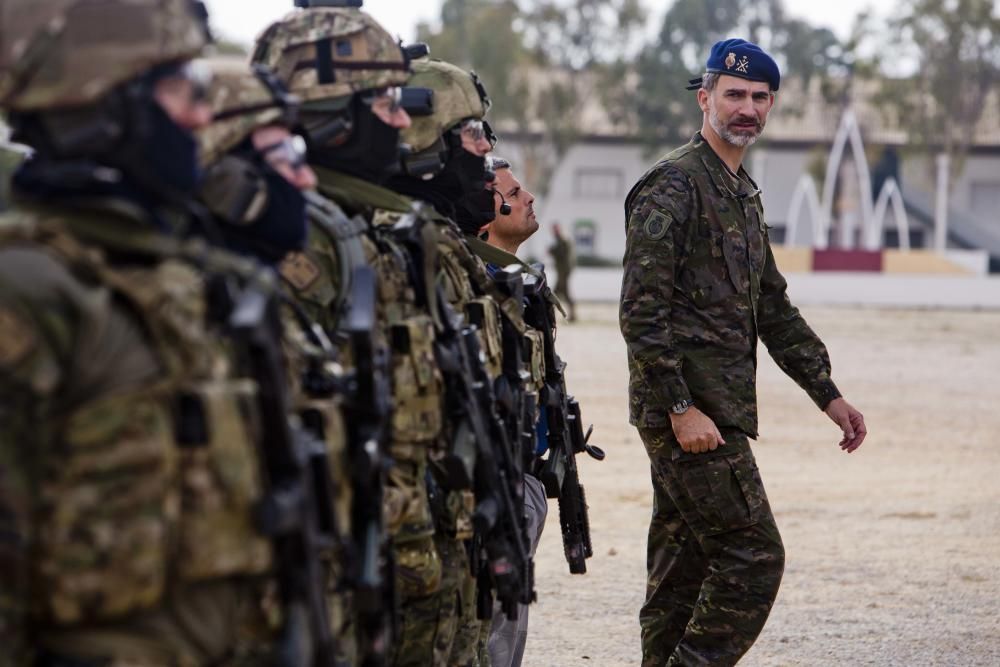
x: 110, y: 222
x: 359, y: 194
x: 731, y: 185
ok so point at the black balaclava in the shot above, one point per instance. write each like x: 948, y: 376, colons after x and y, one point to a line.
x: 125, y: 145
x: 370, y: 152
x: 280, y: 228
x: 458, y: 191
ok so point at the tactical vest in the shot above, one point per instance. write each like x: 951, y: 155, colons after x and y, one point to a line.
x: 131, y: 513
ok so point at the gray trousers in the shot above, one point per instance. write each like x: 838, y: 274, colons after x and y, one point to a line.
x: 507, y: 638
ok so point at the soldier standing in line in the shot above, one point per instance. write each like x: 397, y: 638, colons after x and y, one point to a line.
x: 564, y: 255
x: 513, y: 223
x: 447, y: 169
x: 348, y: 71
x: 256, y: 177
x: 128, y: 464
x: 700, y: 286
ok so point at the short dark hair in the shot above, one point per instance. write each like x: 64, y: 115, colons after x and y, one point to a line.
x: 496, y: 163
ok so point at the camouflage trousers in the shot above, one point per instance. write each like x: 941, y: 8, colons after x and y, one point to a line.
x: 714, y: 557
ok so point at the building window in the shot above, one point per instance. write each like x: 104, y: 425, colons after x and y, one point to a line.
x: 585, y: 237
x: 598, y: 183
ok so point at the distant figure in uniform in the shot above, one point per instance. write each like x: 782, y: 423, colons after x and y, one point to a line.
x: 700, y: 287
x: 564, y: 254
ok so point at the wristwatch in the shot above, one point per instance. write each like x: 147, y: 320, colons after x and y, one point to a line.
x: 680, y: 407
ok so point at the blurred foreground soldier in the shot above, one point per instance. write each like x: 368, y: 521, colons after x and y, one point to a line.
x: 348, y: 71
x: 700, y: 286
x: 255, y: 180
x: 129, y: 465
x: 564, y: 255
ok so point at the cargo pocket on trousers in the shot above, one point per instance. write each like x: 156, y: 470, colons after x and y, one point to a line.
x: 725, y: 492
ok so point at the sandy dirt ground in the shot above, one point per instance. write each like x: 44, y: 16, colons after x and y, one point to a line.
x: 893, y: 552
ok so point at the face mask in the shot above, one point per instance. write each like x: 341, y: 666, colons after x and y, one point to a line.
x: 473, y: 210
x: 370, y: 152
x: 169, y: 153
x: 280, y: 228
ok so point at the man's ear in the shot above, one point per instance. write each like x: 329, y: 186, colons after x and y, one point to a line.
x: 703, y: 99
x: 484, y: 231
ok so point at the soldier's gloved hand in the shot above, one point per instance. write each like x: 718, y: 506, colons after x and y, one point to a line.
x: 850, y: 421
x: 695, y: 431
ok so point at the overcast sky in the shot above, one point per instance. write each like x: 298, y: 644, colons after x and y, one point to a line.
x: 243, y: 19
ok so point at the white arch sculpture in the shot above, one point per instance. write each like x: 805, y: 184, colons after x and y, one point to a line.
x: 821, y: 211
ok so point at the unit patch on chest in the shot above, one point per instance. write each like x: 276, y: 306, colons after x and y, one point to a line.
x: 299, y: 270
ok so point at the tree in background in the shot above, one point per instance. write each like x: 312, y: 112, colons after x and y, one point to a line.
x: 540, y: 60
x: 954, y: 48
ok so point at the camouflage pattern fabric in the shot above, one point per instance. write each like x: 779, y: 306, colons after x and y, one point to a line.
x: 700, y: 285
x: 714, y: 558
x: 63, y: 53
x: 137, y: 520
x: 241, y: 103
x: 426, y: 585
x: 327, y: 53
x: 458, y: 94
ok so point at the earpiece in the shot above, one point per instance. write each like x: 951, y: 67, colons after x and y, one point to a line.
x: 504, y: 206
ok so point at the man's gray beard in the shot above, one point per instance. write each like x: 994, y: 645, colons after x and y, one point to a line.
x: 738, y: 140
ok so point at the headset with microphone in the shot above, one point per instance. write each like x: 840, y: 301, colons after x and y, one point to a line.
x: 504, y: 206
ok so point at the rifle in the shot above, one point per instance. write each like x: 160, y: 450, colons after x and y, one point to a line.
x: 366, y: 408
x: 558, y: 471
x: 367, y: 412
x: 497, y: 479
x: 295, y: 511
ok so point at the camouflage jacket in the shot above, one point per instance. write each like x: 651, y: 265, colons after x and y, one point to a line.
x: 700, y: 285
x: 128, y: 466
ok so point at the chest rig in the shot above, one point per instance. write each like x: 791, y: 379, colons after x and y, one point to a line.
x: 150, y: 488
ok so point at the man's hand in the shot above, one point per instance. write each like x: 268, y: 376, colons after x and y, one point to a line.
x: 850, y: 421
x: 695, y: 431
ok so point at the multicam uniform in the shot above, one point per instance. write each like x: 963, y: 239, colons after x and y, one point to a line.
x: 700, y: 286
x: 326, y: 55
x: 130, y: 468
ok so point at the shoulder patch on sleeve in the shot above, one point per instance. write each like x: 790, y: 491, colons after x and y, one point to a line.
x: 17, y: 337
x: 657, y: 224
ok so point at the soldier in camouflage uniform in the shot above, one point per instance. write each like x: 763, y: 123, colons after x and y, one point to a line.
x: 255, y: 178
x: 347, y: 70
x: 447, y: 169
x: 700, y: 286
x: 128, y: 465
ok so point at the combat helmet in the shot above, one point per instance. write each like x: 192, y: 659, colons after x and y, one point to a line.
x: 68, y: 53
x: 458, y: 95
x: 330, y: 53
x: 243, y: 98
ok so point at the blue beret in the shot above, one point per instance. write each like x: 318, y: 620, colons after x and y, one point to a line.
x: 738, y: 57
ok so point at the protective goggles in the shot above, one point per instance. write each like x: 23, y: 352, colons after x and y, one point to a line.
x: 477, y: 130
x: 290, y: 152
x: 391, y: 98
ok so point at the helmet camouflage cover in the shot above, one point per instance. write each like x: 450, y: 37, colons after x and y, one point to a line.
x: 458, y: 94
x: 243, y: 98
x: 327, y: 53
x: 66, y: 53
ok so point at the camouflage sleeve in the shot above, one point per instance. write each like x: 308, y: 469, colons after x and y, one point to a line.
x: 654, y: 244
x: 24, y: 358
x: 792, y: 344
